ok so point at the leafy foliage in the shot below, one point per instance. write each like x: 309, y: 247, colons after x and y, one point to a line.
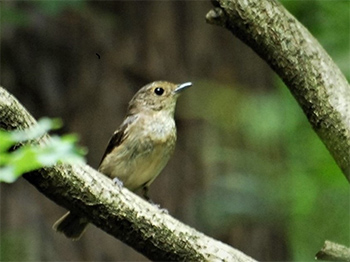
x: 29, y: 157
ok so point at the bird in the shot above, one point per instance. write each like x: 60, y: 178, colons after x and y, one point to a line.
x: 139, y: 149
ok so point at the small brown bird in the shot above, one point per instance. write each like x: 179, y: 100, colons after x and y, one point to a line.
x: 140, y: 148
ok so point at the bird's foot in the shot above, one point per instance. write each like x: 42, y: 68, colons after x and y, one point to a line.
x: 149, y: 200
x: 163, y: 210
x: 118, y: 182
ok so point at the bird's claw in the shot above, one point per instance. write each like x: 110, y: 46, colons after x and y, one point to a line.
x: 118, y: 182
x: 163, y: 210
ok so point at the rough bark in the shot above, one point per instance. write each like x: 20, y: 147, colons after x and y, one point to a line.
x: 288, y: 47
x: 116, y: 210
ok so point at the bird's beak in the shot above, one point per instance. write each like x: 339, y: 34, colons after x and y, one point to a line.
x: 182, y: 87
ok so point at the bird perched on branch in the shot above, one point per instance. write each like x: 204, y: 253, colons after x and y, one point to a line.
x: 139, y: 149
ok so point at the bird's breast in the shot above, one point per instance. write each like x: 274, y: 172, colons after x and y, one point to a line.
x: 143, y: 154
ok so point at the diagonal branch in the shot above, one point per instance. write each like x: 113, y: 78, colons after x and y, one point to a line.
x: 288, y: 47
x: 116, y: 210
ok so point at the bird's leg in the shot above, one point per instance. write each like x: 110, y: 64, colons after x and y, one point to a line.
x: 118, y: 182
x: 145, y: 190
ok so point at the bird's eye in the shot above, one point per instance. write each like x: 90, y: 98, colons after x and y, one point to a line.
x: 159, y: 91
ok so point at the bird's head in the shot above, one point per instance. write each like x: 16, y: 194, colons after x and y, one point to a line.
x: 157, y: 96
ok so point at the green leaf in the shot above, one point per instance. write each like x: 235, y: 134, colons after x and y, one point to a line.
x: 31, y: 157
x: 43, y: 126
x: 7, y: 174
x: 6, y: 141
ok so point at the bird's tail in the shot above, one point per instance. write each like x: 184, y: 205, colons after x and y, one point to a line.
x: 72, y: 225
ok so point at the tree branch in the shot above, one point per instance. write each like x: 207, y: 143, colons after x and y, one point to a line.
x: 288, y: 47
x: 333, y: 252
x: 116, y: 210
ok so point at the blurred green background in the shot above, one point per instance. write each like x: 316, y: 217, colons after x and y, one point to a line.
x: 248, y: 168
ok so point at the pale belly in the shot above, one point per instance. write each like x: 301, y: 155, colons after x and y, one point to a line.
x: 138, y: 165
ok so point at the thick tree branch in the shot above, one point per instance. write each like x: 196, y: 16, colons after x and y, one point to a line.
x: 116, y: 211
x: 333, y: 252
x: 315, y: 81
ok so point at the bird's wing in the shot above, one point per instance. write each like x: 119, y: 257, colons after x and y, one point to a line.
x: 118, y: 136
